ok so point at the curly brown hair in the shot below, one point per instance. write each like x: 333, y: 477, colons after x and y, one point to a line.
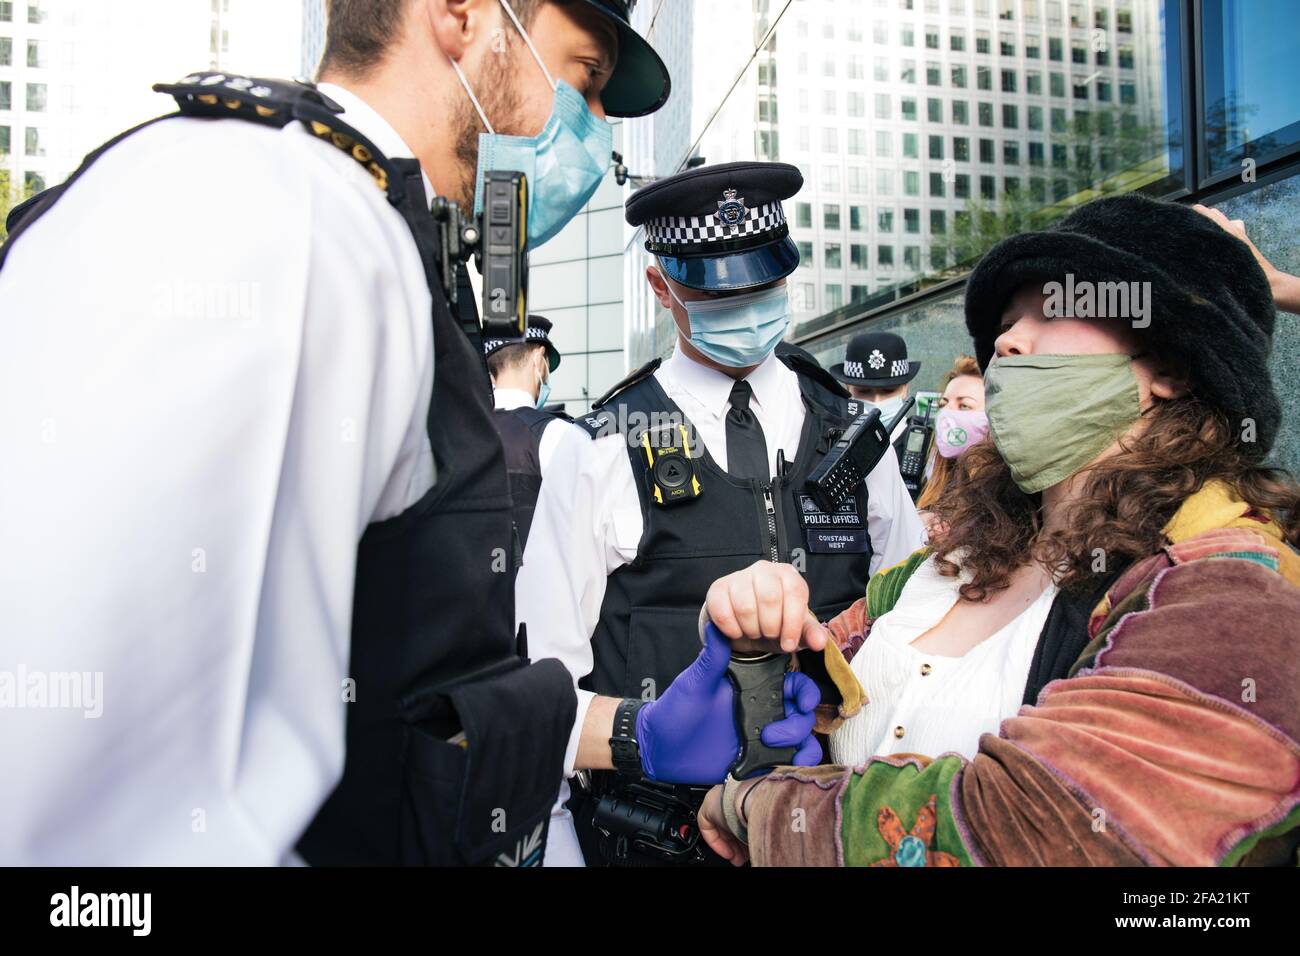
x: 991, y: 528
x: 943, y: 468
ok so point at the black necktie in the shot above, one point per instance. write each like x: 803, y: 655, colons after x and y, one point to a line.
x: 746, y: 448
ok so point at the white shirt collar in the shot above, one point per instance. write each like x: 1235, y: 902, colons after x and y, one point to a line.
x: 361, y: 116
x: 712, y: 389
x: 512, y: 398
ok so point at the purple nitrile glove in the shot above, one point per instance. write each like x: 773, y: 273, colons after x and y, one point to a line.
x: 689, y: 734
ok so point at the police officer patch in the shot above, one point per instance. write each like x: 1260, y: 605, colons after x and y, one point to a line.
x: 840, y: 532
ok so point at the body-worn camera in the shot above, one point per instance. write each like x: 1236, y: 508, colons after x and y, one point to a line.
x: 497, y: 238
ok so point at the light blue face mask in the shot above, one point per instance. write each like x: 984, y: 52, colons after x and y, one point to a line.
x: 739, y: 330
x: 543, y: 393
x: 564, y: 163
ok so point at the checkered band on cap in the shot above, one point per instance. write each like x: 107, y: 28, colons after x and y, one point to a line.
x: 899, y: 367
x: 535, y: 332
x: 686, y: 231
x: 854, y: 369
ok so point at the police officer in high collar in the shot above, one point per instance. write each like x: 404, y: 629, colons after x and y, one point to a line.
x: 695, y: 467
x: 520, y: 370
x: 251, y: 478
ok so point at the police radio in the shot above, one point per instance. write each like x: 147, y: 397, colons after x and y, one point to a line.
x: 851, y: 458
x: 497, y: 238
x: 916, y: 445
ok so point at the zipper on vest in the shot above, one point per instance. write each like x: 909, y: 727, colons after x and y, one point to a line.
x: 769, y: 504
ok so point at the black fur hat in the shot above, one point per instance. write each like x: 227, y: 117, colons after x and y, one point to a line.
x: 1211, y: 308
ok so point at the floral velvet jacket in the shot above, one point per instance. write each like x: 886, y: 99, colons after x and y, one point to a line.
x: 1175, y: 740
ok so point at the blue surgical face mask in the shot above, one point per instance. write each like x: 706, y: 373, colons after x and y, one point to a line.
x: 739, y: 330
x: 543, y: 392
x: 564, y: 163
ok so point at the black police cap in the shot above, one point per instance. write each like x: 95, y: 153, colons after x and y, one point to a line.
x: 720, y: 228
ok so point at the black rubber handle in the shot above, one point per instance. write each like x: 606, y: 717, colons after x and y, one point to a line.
x: 759, y: 682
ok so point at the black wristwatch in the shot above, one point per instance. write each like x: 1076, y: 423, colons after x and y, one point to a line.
x: 623, y: 743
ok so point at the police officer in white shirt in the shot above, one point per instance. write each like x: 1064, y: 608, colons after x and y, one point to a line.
x: 521, y: 370
x: 689, y: 469
x: 876, y: 370
x: 251, y: 491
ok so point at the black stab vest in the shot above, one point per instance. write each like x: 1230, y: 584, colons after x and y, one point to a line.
x: 521, y: 435
x: 648, y: 629
x: 433, y: 652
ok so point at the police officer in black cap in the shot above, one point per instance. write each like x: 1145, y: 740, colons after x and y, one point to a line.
x: 520, y: 370
x: 314, y: 564
x: 693, y: 468
x: 876, y: 370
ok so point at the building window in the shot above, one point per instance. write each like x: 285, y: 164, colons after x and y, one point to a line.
x: 907, y: 71
x: 1011, y: 185
x: 885, y: 256
x: 912, y: 221
x: 6, y: 51
x: 858, y: 256
x: 983, y: 78
x: 936, y: 185
x: 1033, y: 48
x: 936, y: 147
x: 1008, y: 81
x: 961, y: 186
x: 834, y: 296
x: 34, y: 182
x: 986, y: 151
x: 1124, y: 21
x: 6, y: 11
x: 986, y: 114
x: 1010, y: 116
x: 884, y: 182
x: 6, y: 95
x: 1034, y: 117
x: 1057, y: 83
x: 1079, y: 52
x: 830, y: 140
x: 912, y: 258
x: 884, y: 142
x: 961, y: 149
x: 35, y: 13
x: 4, y: 139
x: 1059, y: 121
x: 1007, y: 44
x: 959, y: 77
x: 1011, y: 152
x: 885, y: 220
x: 831, y: 216
x: 37, y: 94
x: 34, y: 58
x: 957, y: 41
x: 881, y: 74
x: 1080, y: 88
x: 988, y: 187
x: 805, y: 254
x: 907, y: 105
x: 882, y: 106
x: 911, y: 146
x: 1055, y: 48
x: 34, y: 146
x: 911, y: 183
x: 832, y: 256
x: 961, y: 112
x: 857, y: 218
x: 938, y: 222
x: 932, y: 38
x: 1033, y: 83
x: 981, y: 41
x: 857, y: 104
x: 934, y: 110
x: 803, y: 215
x: 933, y: 75
x: 857, y: 294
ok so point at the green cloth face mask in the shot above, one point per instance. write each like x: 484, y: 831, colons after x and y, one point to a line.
x: 1052, y: 414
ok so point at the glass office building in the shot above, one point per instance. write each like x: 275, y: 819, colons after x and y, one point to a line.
x: 927, y: 130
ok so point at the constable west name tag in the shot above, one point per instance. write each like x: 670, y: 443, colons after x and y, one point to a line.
x: 839, y: 532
